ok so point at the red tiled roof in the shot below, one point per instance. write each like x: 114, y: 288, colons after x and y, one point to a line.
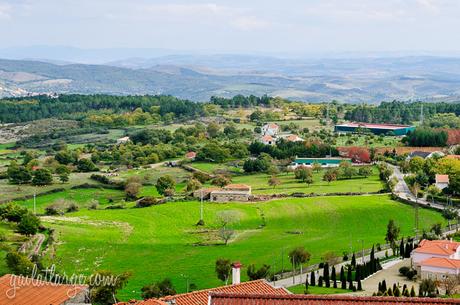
x: 34, y: 292
x: 144, y: 302
x: 201, y: 297
x: 442, y: 178
x: 190, y: 154
x: 267, y: 138
x: 273, y: 126
x: 441, y: 247
x: 244, y: 299
x: 452, y: 157
x: 442, y: 262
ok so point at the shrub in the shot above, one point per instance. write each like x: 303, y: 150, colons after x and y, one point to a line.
x: 411, y: 274
x: 72, y: 207
x: 403, y: 270
x: 54, y: 209
x: 115, y: 207
x: 146, y: 202
x: 93, y: 205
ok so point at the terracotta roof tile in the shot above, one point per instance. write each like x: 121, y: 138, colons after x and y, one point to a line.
x: 442, y: 262
x: 440, y: 247
x: 442, y: 178
x: 245, y: 299
x: 144, y: 302
x: 34, y: 292
x: 201, y: 297
x: 237, y: 187
x: 267, y: 138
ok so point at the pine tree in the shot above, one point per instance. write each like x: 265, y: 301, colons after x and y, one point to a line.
x: 326, y: 275
x: 312, y: 279
x: 334, y: 277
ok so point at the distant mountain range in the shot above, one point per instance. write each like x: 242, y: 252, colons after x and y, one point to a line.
x: 198, y: 77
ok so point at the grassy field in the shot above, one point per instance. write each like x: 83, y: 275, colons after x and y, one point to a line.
x: 300, y: 289
x: 289, y: 185
x: 362, y: 140
x: 10, y: 191
x: 163, y: 241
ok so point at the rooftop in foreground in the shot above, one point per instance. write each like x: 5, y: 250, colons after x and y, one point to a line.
x: 254, y: 299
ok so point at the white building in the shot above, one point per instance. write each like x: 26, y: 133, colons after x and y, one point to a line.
x: 270, y: 129
x: 442, y: 181
x: 268, y: 140
x: 436, y: 259
x: 123, y: 140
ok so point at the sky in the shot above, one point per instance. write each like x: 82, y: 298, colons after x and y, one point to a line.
x: 258, y: 26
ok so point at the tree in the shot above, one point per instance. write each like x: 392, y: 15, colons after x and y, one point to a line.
x: 165, y: 183
x: 193, y: 185
x: 260, y: 273
x: 18, y: 174
x: 316, y: 167
x: 132, y: 190
x: 42, y: 176
x: 221, y: 181
x: 274, y: 181
x: 29, y: 224
x: 223, y: 268
x: 303, y: 173
x: 392, y: 234
x: 299, y: 256
x: 326, y: 275
x: 103, y: 286
x: 353, y: 260
x: 158, y: 289
x: 330, y: 175
x: 18, y: 263
x: 365, y: 171
x: 63, y: 172
x: 432, y: 191
x: 213, y: 129
x: 343, y: 280
x: 312, y: 278
x: 334, y: 277
x: 86, y: 165
x: 349, y: 278
x: 427, y: 288
x: 449, y: 214
x: 226, y: 234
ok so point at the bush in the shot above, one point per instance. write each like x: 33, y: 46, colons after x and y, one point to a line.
x: 93, y: 205
x: 56, y: 208
x: 403, y: 270
x: 411, y: 274
x: 72, y: 207
x: 146, y: 202
x: 115, y: 207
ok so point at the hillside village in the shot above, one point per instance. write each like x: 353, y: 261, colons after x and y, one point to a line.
x: 231, y: 205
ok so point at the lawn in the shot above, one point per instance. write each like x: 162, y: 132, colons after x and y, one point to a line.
x: 212, y: 167
x: 289, y: 185
x: 300, y: 289
x: 11, y: 191
x: 163, y: 241
x: 368, y: 141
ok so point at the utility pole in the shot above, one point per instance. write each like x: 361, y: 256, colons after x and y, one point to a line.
x: 201, y: 206
x: 35, y: 203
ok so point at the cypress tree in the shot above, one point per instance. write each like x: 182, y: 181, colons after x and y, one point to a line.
x: 326, y: 275
x: 406, y: 293
x: 349, y: 278
x: 306, y: 285
x: 390, y: 292
x: 334, y: 277
x: 342, y: 278
x: 320, y: 281
x: 353, y: 260
x: 380, y: 287
x: 359, y: 285
x: 384, y: 285
x: 396, y: 292
x: 312, y: 279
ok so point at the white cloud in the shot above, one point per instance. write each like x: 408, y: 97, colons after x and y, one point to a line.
x: 5, y: 11
x: 247, y: 23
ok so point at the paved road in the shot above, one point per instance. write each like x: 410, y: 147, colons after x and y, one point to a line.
x: 402, y: 190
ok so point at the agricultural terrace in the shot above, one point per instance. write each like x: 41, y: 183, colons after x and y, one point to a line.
x: 163, y: 240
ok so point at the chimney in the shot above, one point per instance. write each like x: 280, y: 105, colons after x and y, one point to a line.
x: 236, y: 267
